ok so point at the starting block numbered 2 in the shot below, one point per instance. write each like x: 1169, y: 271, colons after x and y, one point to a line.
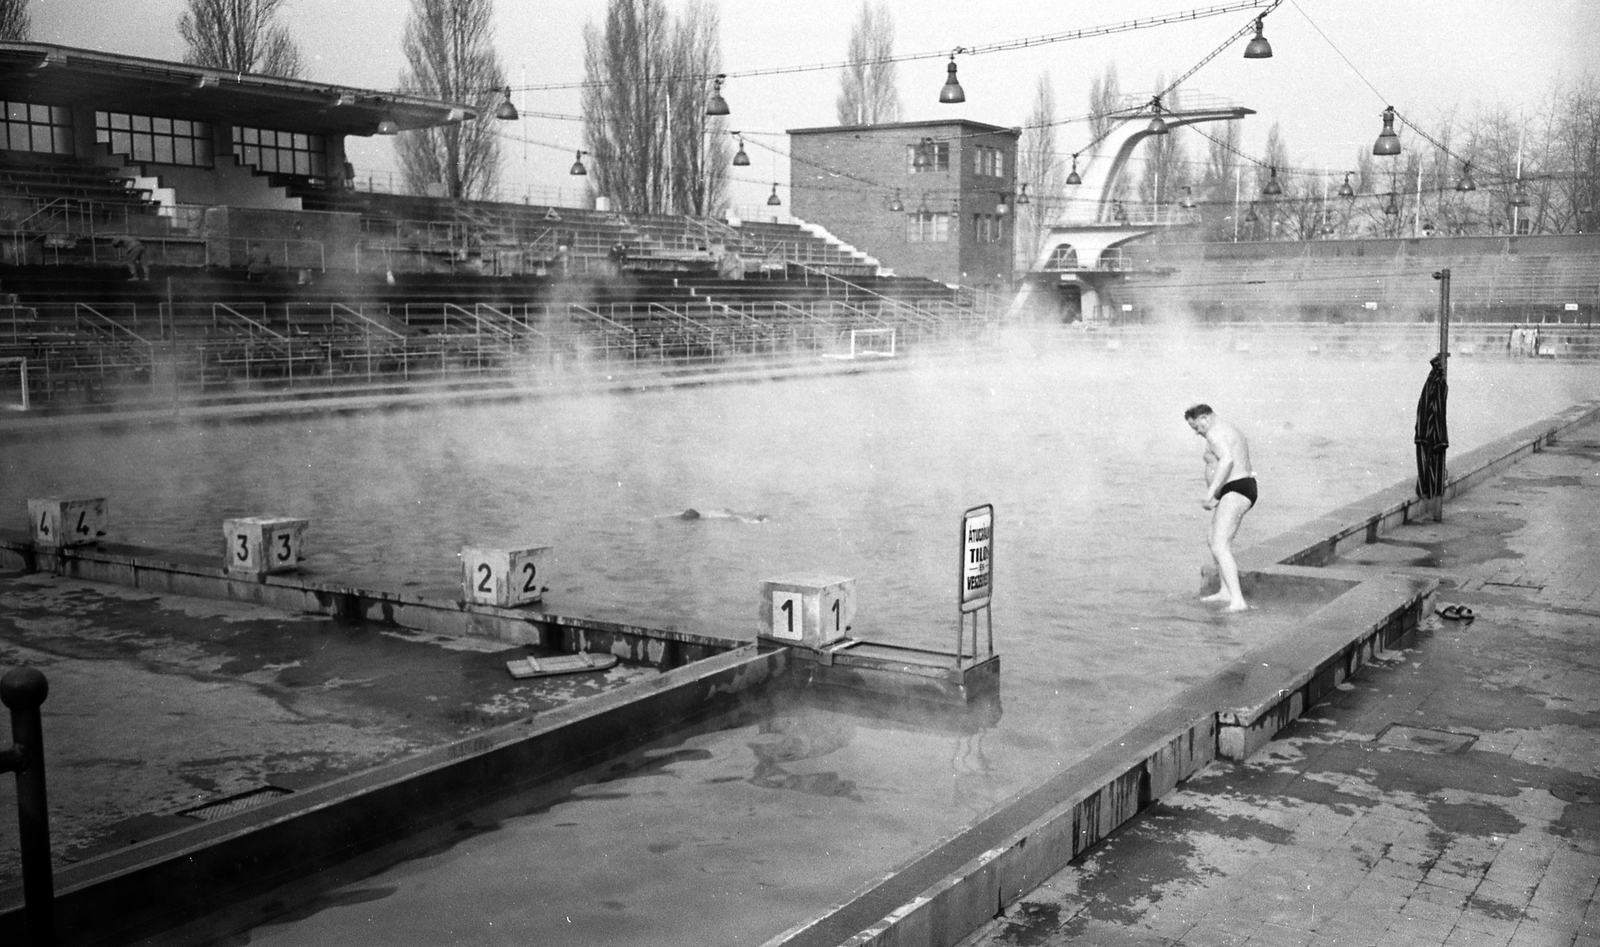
x: 503, y: 577
x: 58, y: 522
x: 257, y: 545
x: 806, y: 609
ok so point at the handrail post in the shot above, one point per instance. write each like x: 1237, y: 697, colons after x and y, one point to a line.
x: 23, y: 690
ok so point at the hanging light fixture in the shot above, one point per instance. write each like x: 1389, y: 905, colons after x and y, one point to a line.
x: 740, y: 159
x: 951, y: 93
x: 1157, y: 126
x: 717, y: 104
x: 1272, y: 187
x: 1258, y: 48
x: 1466, y: 183
x: 1073, y: 178
x: 1119, y: 213
x: 1187, y: 203
x: 922, y: 207
x: 505, y: 111
x: 772, y: 200
x: 1251, y: 216
x: 578, y: 170
x: 388, y: 126
x: 894, y: 203
x: 1391, y: 209
x: 1388, y: 142
x: 1519, y: 197
x: 1022, y: 198
x: 1345, y: 190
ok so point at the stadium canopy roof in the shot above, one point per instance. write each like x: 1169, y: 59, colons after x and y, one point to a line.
x: 46, y: 74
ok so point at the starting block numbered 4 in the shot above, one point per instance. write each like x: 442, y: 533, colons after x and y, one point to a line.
x: 806, y: 609
x: 503, y: 577
x: 257, y: 545
x: 58, y: 522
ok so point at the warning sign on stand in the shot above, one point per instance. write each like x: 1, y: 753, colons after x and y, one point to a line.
x: 977, y: 557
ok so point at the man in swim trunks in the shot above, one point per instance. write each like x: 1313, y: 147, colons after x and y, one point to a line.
x: 1230, y: 493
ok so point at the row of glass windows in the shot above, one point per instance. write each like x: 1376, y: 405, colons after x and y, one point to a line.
x: 931, y: 156
x: 278, y: 152
x: 41, y: 128
x: 155, y: 139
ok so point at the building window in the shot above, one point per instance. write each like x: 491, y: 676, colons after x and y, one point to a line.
x: 988, y: 161
x: 988, y: 228
x: 1063, y: 257
x: 936, y: 157
x: 275, y: 152
x: 155, y: 139
x: 927, y: 228
x: 42, y: 128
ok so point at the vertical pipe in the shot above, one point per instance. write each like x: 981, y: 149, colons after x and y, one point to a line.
x: 23, y: 690
x: 1444, y: 370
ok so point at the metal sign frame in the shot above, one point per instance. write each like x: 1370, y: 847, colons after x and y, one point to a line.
x: 977, y: 559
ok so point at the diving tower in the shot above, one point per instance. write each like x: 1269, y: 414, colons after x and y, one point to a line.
x: 1082, y: 252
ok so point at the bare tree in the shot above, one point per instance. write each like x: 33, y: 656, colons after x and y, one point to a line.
x: 1040, y: 167
x: 1166, y: 165
x: 1105, y: 99
x: 1580, y: 153
x: 699, y: 142
x: 867, y: 91
x: 648, y: 79
x: 239, y: 36
x: 449, y: 47
x: 14, y: 22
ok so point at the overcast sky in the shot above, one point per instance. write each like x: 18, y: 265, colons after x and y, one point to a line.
x: 1429, y: 58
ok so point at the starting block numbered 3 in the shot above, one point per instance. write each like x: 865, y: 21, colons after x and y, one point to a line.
x: 58, y: 522
x: 503, y: 577
x: 806, y: 609
x: 257, y: 545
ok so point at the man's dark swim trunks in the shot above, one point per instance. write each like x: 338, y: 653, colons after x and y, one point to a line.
x: 1244, y: 486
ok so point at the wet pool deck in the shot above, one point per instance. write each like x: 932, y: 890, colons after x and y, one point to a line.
x: 1447, y: 795
x: 215, y: 699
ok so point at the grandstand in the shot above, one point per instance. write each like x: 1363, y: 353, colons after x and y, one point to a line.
x: 173, y: 233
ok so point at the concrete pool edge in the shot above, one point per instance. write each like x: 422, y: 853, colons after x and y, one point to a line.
x: 168, y: 881
x: 952, y: 890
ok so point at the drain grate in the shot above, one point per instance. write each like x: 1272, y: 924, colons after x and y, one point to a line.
x: 1424, y: 740
x: 235, y: 803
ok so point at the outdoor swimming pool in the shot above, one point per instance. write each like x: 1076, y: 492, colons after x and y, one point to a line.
x: 734, y: 833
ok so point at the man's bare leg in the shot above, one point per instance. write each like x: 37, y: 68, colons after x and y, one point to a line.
x: 1224, y: 524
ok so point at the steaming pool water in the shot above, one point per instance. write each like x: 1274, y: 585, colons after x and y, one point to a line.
x: 740, y: 830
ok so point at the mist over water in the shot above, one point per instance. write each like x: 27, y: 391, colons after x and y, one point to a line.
x: 1094, y: 475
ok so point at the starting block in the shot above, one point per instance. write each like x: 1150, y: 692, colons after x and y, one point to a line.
x: 503, y: 577
x: 257, y: 545
x: 58, y: 522
x: 806, y: 609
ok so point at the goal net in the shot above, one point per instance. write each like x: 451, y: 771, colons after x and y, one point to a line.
x: 872, y: 343
x: 13, y: 384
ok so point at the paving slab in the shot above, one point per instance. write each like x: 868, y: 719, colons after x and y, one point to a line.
x: 1447, y: 795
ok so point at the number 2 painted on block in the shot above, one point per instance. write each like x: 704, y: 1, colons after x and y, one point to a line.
x: 529, y: 570
x: 488, y: 574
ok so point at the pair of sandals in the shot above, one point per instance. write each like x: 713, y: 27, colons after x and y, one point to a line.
x: 1456, y: 613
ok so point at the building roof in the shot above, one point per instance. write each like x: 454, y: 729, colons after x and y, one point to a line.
x: 939, y: 123
x: 46, y: 74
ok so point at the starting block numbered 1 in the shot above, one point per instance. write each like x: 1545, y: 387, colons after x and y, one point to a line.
x: 503, y: 577
x: 260, y: 544
x: 58, y: 522
x: 806, y: 609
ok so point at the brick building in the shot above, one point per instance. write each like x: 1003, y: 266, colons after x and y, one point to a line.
x: 955, y: 180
